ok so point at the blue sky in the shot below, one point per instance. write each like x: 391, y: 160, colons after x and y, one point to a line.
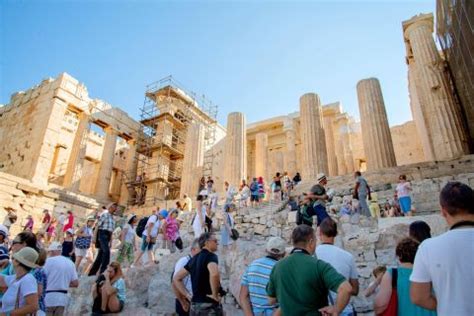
x: 257, y: 57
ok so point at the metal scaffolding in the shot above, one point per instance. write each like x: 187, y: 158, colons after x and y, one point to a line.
x: 166, y: 114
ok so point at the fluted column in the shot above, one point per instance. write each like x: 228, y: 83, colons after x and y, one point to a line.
x: 72, y: 178
x: 417, y: 112
x: 106, y: 164
x: 127, y: 192
x: 313, y: 138
x: 442, y: 115
x: 235, y: 149
x: 193, y: 159
x: 329, y: 117
x: 290, y: 154
x: 376, y: 135
x: 261, y: 155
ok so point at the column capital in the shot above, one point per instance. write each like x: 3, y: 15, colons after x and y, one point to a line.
x: 421, y: 20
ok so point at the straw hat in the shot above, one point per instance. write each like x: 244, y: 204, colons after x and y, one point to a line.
x: 27, y: 256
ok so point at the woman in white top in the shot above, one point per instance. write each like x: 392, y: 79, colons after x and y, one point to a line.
x: 199, y: 220
x: 83, y: 242
x: 21, y: 296
x: 127, y: 238
x: 404, y: 194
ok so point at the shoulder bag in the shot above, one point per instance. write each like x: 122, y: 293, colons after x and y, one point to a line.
x: 392, y: 308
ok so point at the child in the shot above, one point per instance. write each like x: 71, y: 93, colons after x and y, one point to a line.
x: 373, y: 286
x: 50, y: 231
x: 68, y: 244
x: 374, y: 206
x: 226, y: 229
x: 127, y: 238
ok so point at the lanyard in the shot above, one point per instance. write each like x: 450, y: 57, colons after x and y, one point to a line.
x: 462, y: 223
x: 299, y: 250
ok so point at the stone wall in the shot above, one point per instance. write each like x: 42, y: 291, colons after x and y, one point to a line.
x: 407, y: 144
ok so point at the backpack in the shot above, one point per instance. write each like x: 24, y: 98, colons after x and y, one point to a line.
x: 302, y: 216
x: 141, y: 226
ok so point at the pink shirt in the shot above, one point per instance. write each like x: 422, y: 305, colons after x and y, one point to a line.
x: 171, y: 229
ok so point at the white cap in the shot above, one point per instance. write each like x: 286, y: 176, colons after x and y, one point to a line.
x: 276, y: 246
x: 70, y: 231
x: 55, y: 246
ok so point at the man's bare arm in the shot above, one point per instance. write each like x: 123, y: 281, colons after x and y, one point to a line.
x: 178, y: 283
x: 244, y: 298
x: 421, y: 294
x: 214, y: 279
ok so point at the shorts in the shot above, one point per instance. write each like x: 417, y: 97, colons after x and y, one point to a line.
x: 405, y: 204
x: 254, y: 198
x: 147, y: 246
x: 81, y: 252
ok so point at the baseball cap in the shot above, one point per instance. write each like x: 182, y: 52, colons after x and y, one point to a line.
x: 276, y: 246
x: 55, y: 246
x: 4, y: 253
x: 164, y: 213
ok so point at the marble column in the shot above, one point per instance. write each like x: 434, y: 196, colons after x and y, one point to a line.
x: 441, y: 112
x: 193, y: 160
x: 127, y: 192
x: 378, y: 145
x: 339, y: 148
x: 417, y: 112
x: 261, y: 155
x: 313, y: 139
x: 106, y: 164
x: 329, y: 116
x: 72, y: 178
x: 290, y: 154
x: 235, y: 149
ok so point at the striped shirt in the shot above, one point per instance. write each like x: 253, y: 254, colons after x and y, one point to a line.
x: 256, y: 278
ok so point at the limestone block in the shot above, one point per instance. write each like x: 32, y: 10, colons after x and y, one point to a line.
x: 292, y: 217
x: 275, y: 232
x: 260, y: 229
x: 263, y: 220
x: 255, y: 220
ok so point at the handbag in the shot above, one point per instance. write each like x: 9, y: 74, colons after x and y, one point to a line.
x: 234, y: 234
x: 392, y: 308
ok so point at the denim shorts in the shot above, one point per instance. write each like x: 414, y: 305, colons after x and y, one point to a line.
x: 145, y: 245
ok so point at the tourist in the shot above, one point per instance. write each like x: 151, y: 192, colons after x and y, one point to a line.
x: 405, y: 251
x: 70, y: 221
x: 127, y: 239
x: 199, y: 219
x: 22, y: 240
x: 346, y: 208
x: 244, y: 194
x: 261, y: 189
x: 50, y: 232
x: 149, y: 236
x: 170, y: 230
x: 286, y: 185
x: 374, y: 206
x: 300, y: 282
x: 276, y: 187
x: 419, y: 230
x: 59, y: 227
x: 29, y: 223
x: 11, y: 217
x: 388, y: 210
x: 373, y: 288
x: 297, y: 178
x: 4, y: 236
x: 447, y: 289
x: 41, y: 279
x: 214, y: 197
x: 187, y: 203
x: 179, y: 207
x: 21, y: 295
x: 226, y: 228
x: 341, y: 260
x: 202, y: 185
x: 103, y: 231
x: 61, y: 275
x: 40, y: 239
x: 182, y: 304
x: 109, y: 292
x: 361, y: 193
x: 255, y: 279
x: 230, y: 192
x: 319, y: 197
x: 68, y: 245
x: 254, y: 193
x: 46, y: 221
x: 209, y: 184
x: 4, y: 260
x: 404, y: 194
x: 83, y: 241
x: 306, y: 212
x: 205, y: 279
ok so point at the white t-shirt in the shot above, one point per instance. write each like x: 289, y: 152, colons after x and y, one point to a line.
x: 130, y: 235
x: 62, y: 219
x: 27, y: 285
x: 403, y: 189
x: 447, y: 262
x: 342, y: 261
x: 60, y: 272
x: 178, y: 266
x: 153, y: 219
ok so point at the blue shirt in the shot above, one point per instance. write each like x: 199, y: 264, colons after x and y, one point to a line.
x: 119, y: 285
x: 256, y: 278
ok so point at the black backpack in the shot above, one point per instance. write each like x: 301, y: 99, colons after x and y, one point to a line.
x: 302, y: 216
x: 141, y: 226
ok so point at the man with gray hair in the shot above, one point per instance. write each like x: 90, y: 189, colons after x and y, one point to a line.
x: 253, y: 296
x: 182, y: 304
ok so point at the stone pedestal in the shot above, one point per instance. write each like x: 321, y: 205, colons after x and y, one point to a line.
x: 376, y: 135
x: 290, y: 154
x: 106, y: 165
x: 72, y: 179
x: 235, y: 149
x: 261, y: 155
x: 193, y: 160
x: 313, y: 139
x: 442, y: 115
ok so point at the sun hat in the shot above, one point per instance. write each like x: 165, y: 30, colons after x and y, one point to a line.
x: 4, y: 253
x: 163, y: 213
x: 321, y: 177
x: 4, y: 230
x: 130, y: 216
x: 90, y: 218
x: 276, y: 246
x: 55, y: 246
x: 27, y: 256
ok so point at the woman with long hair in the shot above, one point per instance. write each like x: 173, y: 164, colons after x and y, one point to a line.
x: 108, y: 291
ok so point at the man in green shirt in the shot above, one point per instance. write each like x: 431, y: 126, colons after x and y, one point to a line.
x: 300, y: 283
